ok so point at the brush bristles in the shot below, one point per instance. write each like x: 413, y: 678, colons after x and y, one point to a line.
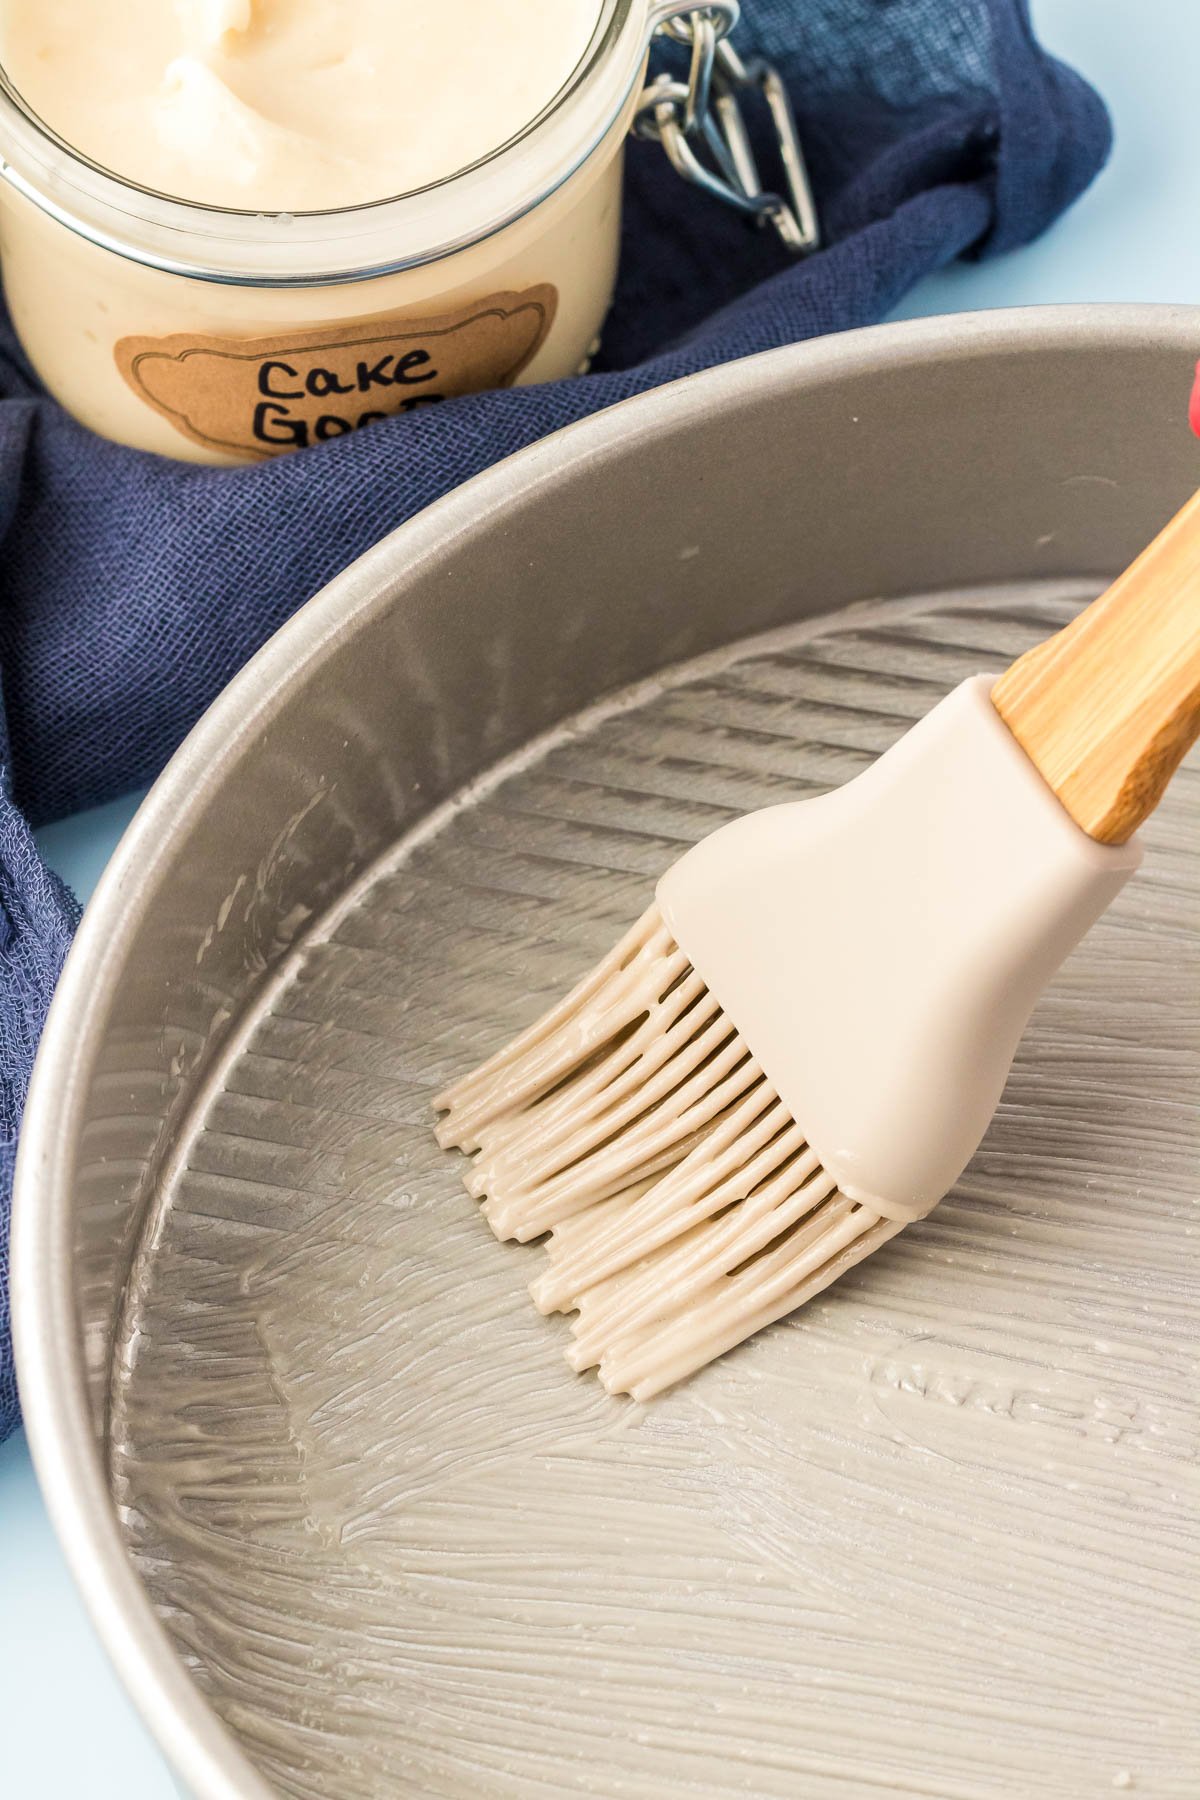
x: 684, y: 1209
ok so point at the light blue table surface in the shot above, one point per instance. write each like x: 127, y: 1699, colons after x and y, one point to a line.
x: 66, y: 1728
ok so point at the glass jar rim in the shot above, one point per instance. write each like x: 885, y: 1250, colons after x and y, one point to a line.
x: 355, y: 243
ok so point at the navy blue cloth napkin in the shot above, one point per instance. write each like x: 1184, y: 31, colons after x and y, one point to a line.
x: 134, y: 587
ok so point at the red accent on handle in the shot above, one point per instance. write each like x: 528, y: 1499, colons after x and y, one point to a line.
x: 1194, y: 407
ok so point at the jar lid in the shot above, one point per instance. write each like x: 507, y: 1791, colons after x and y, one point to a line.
x: 355, y: 243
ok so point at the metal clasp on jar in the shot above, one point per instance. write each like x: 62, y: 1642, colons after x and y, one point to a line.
x: 700, y: 124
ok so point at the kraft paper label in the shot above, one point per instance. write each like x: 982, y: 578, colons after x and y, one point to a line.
x: 261, y: 396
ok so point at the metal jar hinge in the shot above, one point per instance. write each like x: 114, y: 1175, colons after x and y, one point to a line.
x: 700, y: 124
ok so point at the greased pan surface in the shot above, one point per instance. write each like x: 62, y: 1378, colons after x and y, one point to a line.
x: 347, y: 1523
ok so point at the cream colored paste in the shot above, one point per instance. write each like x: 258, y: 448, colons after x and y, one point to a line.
x: 933, y: 1537
x: 297, y: 105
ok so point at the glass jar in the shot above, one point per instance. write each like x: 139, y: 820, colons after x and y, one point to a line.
x: 225, y: 336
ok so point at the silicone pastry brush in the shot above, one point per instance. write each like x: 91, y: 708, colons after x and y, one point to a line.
x: 797, y: 1049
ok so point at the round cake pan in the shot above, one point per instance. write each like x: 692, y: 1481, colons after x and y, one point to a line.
x: 346, y: 1523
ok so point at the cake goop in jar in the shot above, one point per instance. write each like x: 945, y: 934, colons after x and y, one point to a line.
x: 232, y: 228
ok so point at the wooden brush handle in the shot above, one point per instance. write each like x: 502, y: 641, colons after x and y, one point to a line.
x: 1108, y: 708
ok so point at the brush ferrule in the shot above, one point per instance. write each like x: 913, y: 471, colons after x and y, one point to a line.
x: 881, y: 947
